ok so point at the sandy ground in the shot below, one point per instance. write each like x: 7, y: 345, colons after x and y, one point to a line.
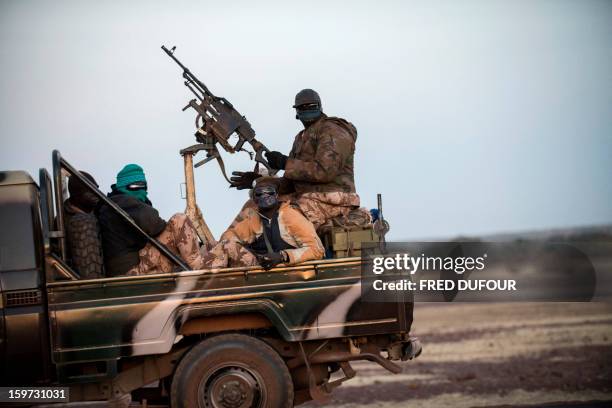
x: 476, y: 355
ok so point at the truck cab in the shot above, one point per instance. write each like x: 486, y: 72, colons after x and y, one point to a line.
x: 24, y: 326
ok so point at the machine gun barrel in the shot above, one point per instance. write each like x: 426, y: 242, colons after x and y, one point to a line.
x: 189, y: 76
x: 171, y: 55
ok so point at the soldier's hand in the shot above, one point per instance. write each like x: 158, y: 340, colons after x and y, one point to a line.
x: 269, y: 261
x: 276, y: 160
x: 243, y: 180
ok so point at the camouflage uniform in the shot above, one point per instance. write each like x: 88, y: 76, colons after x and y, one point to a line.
x: 319, y: 208
x: 319, y: 171
x: 294, y: 229
x: 180, y: 237
x: 321, y: 159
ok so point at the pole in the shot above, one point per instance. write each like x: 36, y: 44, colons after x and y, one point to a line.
x: 192, y: 210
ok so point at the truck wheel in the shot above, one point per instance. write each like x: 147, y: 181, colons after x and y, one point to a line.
x: 83, y: 239
x: 232, y: 371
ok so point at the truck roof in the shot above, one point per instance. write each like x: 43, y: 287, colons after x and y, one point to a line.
x: 10, y: 177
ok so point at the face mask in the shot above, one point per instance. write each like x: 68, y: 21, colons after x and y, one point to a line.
x: 140, y: 194
x: 308, y: 113
x: 308, y: 116
x: 265, y: 198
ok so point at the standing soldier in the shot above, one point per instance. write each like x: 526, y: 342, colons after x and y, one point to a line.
x: 319, y: 169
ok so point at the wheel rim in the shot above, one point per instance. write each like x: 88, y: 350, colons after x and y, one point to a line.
x: 231, y: 386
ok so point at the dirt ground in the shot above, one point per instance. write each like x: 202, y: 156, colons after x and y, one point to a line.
x: 476, y: 355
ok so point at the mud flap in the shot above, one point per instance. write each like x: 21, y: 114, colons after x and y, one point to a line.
x: 322, y: 393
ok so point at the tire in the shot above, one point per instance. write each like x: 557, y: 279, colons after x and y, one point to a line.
x: 84, y: 245
x: 232, y: 371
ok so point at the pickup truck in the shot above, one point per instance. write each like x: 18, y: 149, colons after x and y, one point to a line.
x: 235, y: 337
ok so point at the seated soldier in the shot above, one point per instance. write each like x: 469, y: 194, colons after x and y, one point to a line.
x: 272, y: 233
x: 81, y: 199
x: 126, y: 251
x: 81, y: 228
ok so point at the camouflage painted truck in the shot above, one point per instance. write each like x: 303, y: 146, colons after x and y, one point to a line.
x: 236, y: 337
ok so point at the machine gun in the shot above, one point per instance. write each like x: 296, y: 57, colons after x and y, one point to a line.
x: 216, y: 121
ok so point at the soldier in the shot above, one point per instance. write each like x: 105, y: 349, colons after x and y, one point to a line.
x: 81, y: 200
x: 126, y: 251
x: 79, y: 217
x: 319, y: 169
x: 273, y: 232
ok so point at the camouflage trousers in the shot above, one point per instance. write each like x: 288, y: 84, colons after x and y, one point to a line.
x: 180, y: 237
x: 319, y: 208
x: 229, y: 254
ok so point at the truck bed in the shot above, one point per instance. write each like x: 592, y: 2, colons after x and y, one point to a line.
x: 117, y: 317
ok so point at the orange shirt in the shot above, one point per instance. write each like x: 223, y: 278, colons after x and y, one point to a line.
x: 294, y: 228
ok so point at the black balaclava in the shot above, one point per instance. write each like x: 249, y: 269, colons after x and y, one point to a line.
x: 80, y: 195
x: 265, y: 196
x: 308, y: 106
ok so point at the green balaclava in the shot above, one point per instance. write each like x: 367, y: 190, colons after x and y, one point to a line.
x: 130, y: 174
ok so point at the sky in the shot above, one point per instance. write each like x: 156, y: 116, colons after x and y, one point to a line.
x: 473, y: 117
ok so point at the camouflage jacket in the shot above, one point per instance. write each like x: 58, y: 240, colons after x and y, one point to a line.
x: 321, y: 159
x: 294, y: 229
